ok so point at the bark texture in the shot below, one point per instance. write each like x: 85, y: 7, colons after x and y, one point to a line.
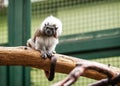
x: 26, y: 56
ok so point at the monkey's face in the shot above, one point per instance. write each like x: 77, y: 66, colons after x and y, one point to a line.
x: 50, y: 30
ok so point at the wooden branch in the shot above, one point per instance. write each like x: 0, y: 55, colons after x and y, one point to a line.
x: 25, y: 56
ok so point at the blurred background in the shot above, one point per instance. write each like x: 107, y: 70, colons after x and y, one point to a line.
x: 91, y: 30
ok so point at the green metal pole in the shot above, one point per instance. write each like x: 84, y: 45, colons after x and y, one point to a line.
x: 19, y: 32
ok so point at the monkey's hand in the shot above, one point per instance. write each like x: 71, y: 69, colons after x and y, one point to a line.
x: 43, y: 54
x: 49, y: 54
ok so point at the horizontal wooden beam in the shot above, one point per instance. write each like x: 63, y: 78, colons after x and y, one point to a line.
x: 26, y: 56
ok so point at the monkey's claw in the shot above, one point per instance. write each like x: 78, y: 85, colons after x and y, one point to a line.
x: 49, y: 55
x: 44, y: 55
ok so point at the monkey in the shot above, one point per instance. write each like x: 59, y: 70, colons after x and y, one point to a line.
x: 45, y: 39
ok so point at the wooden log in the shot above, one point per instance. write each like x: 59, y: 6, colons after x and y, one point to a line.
x: 26, y: 56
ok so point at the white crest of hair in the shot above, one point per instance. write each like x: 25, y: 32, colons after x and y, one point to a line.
x: 51, y: 20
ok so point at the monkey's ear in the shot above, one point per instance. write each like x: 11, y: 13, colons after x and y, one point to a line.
x: 45, y: 24
x: 48, y: 23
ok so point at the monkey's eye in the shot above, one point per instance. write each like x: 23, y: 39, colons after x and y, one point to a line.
x: 47, y: 27
x: 54, y: 25
x: 56, y: 28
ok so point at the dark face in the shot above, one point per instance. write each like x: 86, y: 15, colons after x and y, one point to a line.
x: 50, y: 30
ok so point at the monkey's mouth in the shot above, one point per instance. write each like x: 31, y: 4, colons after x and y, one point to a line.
x: 49, y: 32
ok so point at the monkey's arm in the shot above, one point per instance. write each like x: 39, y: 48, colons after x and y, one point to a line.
x: 26, y: 56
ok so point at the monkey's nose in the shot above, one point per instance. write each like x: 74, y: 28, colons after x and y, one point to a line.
x: 49, y: 32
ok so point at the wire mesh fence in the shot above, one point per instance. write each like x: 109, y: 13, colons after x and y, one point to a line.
x: 3, y: 23
x: 78, y: 17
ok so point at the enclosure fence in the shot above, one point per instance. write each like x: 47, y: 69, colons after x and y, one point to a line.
x: 91, y: 30
x: 88, y: 27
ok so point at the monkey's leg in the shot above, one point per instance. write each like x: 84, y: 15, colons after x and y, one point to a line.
x: 40, y: 47
x: 43, y: 52
x: 50, y: 50
x: 49, y: 54
x: 30, y: 43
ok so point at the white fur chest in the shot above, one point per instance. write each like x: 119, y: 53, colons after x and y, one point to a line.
x: 48, y: 41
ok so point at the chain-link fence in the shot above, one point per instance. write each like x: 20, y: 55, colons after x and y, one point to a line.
x: 3, y: 23
x: 78, y: 17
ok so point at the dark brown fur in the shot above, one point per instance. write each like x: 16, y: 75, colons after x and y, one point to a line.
x: 38, y: 33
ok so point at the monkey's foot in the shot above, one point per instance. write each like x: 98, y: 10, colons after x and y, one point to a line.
x: 49, y: 54
x: 46, y: 54
x: 43, y: 55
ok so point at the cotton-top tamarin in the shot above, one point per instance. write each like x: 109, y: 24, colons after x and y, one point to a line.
x: 45, y: 38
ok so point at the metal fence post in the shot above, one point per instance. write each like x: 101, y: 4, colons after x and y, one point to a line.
x: 19, y: 32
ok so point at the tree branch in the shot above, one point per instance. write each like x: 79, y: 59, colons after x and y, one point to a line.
x: 25, y: 56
